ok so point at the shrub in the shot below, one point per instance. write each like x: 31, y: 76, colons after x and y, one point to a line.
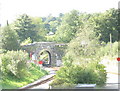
x: 34, y: 73
x: 74, y: 74
x: 108, y: 50
x: 14, y: 63
x: 26, y: 41
x: 9, y: 39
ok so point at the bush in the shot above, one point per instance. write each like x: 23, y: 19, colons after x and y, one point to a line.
x: 35, y: 69
x: 34, y: 73
x: 74, y: 74
x: 26, y: 41
x: 108, y: 50
x: 14, y: 63
x: 9, y: 39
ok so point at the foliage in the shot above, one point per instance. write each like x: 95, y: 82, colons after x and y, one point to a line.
x: 39, y: 28
x: 25, y: 28
x: 68, y: 28
x: 88, y: 36
x: 109, y: 49
x: 50, y: 38
x: 51, y: 23
x: 14, y: 63
x: 114, y: 49
x: 35, y: 68
x: 106, y: 24
x: 26, y: 41
x: 33, y: 74
x: 87, y: 47
x: 74, y: 74
x: 17, y: 71
x: 9, y: 39
x: 65, y: 26
x: 84, y: 47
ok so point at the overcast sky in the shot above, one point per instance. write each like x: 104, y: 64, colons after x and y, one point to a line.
x: 11, y: 9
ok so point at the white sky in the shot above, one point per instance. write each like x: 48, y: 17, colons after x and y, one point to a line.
x: 11, y: 9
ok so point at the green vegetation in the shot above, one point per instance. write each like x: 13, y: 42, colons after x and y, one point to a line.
x: 25, y: 28
x: 12, y: 82
x: 26, y: 41
x: 87, y: 36
x: 68, y: 28
x: 17, y: 71
x: 87, y: 48
x: 14, y: 63
x: 9, y: 39
x: 87, y: 74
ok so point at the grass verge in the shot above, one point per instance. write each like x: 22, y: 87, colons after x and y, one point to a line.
x: 11, y: 82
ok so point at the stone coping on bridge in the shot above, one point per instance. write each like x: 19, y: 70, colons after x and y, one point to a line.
x: 39, y: 43
x: 46, y: 43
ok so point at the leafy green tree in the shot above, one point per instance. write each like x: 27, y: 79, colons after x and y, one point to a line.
x: 54, y: 25
x: 69, y: 26
x: 14, y: 63
x: 47, y: 21
x: 50, y: 18
x: 26, y: 41
x: 40, y: 28
x: 10, y: 39
x: 25, y: 28
x: 83, y: 47
x: 89, y: 74
x: 51, y: 23
x: 106, y: 24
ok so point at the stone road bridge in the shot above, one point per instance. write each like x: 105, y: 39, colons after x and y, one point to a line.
x: 54, y: 50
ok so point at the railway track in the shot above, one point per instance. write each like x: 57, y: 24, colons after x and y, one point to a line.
x: 47, y: 79
x: 43, y: 80
x: 37, y: 83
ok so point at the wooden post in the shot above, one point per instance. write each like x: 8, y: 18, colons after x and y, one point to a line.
x: 110, y: 46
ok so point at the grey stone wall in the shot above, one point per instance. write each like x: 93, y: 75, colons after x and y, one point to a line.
x: 53, y: 48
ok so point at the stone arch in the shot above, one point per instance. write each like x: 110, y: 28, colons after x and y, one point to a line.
x: 54, y: 50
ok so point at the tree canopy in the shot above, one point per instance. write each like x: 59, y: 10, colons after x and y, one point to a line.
x: 25, y: 28
x: 10, y: 39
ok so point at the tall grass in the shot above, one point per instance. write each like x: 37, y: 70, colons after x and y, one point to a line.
x: 34, y: 73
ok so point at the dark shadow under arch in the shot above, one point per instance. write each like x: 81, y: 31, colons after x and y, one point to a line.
x: 49, y: 57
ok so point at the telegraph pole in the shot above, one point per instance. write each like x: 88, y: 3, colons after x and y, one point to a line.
x: 111, y: 46
x: 7, y: 23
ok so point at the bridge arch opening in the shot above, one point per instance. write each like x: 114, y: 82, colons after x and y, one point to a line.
x: 45, y: 56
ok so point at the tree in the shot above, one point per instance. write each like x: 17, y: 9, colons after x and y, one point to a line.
x: 40, y: 28
x: 26, y: 41
x: 25, y: 28
x: 69, y: 26
x: 9, y: 39
x: 51, y: 23
x: 84, y: 46
x: 106, y: 24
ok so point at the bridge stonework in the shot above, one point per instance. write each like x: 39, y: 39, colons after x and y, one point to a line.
x: 55, y: 50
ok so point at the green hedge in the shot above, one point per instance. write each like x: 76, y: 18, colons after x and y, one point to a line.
x: 74, y: 74
x: 17, y: 71
x: 14, y: 63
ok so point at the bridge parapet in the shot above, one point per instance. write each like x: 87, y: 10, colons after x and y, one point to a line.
x: 53, y: 48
